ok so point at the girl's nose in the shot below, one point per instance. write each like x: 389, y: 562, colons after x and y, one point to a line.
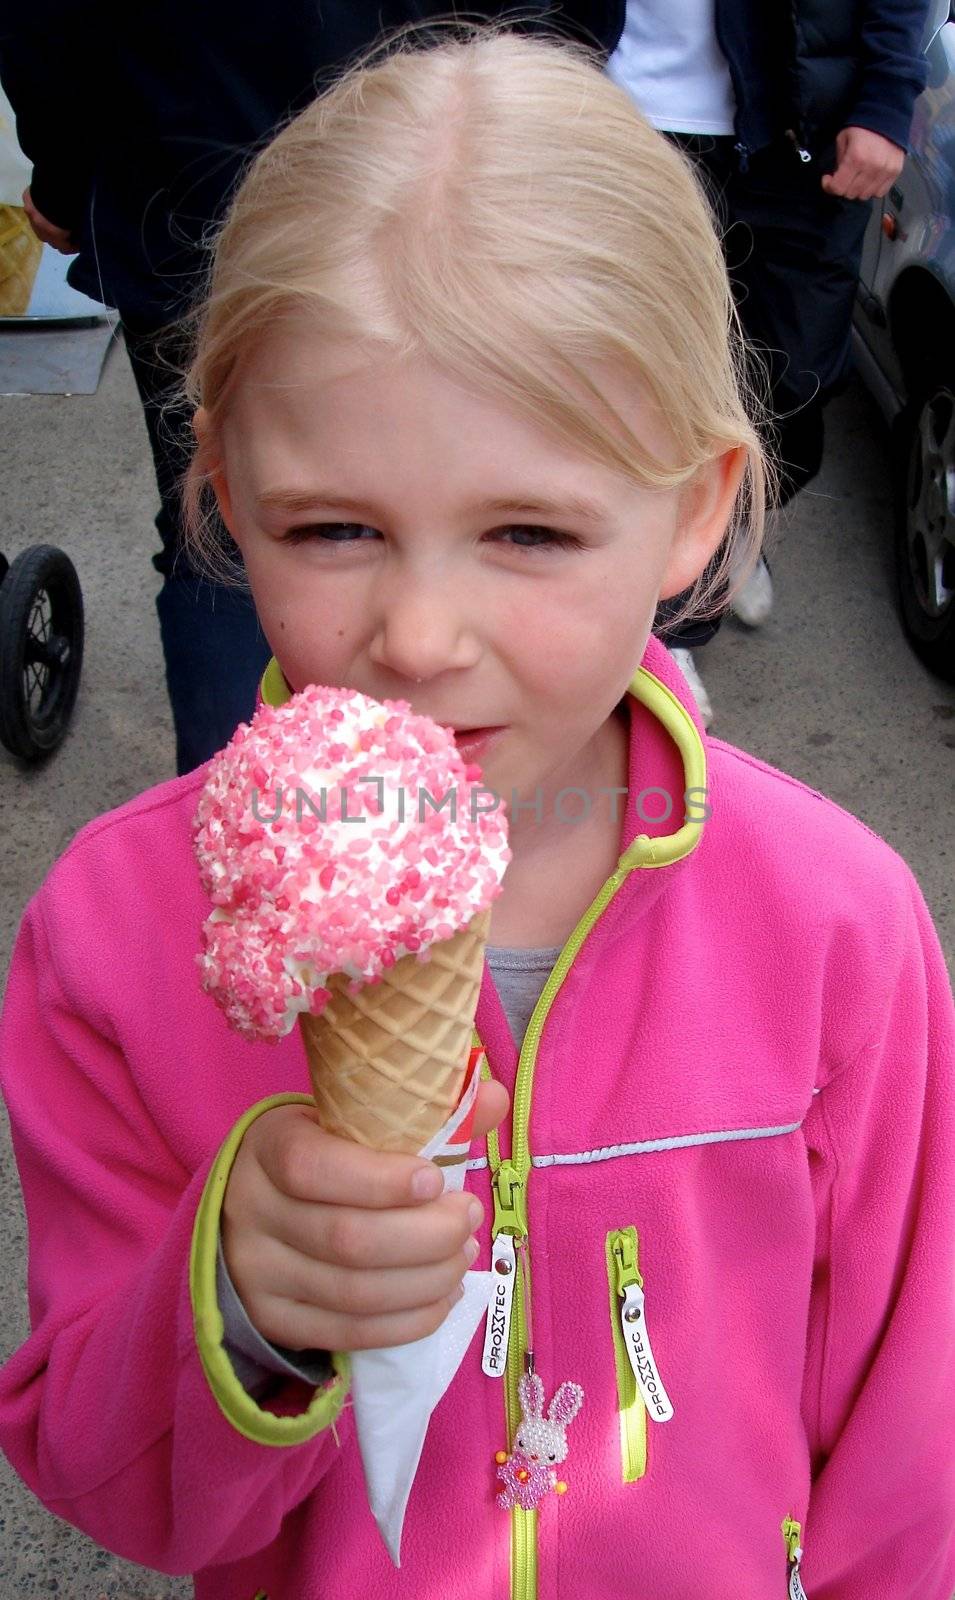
x: 422, y: 631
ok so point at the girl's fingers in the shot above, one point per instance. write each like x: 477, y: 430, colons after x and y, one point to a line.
x: 352, y: 1238
x: 493, y: 1103
x: 300, y: 1327
x: 304, y: 1162
x: 340, y: 1291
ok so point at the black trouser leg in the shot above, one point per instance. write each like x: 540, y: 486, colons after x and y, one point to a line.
x: 793, y: 254
x: 214, y: 649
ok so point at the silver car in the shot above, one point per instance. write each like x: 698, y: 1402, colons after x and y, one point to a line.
x: 904, y: 337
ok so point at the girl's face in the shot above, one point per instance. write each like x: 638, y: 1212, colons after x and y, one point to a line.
x: 414, y: 540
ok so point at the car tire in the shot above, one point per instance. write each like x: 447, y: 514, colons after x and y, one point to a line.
x: 925, y: 526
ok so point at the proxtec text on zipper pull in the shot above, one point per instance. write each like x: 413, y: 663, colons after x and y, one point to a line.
x: 633, y: 1323
x: 640, y: 1354
x: 498, y: 1328
x: 508, y: 1233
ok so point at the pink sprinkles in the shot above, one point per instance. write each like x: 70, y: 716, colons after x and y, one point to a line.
x: 334, y: 895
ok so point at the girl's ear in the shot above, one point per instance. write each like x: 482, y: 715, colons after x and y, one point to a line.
x: 210, y: 462
x: 706, y: 506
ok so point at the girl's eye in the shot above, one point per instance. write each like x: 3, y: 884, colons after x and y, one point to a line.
x: 527, y: 538
x: 329, y: 533
x: 543, y: 538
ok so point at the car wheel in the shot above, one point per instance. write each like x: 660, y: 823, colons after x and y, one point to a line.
x: 925, y: 546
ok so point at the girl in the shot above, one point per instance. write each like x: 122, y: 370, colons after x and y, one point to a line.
x: 466, y: 395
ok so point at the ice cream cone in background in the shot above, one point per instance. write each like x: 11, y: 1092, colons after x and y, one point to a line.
x: 20, y: 252
x: 388, y: 1063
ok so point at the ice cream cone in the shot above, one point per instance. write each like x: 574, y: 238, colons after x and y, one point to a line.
x: 302, y: 906
x: 20, y: 252
x: 388, y: 1063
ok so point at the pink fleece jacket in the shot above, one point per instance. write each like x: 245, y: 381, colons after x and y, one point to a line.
x: 742, y: 1070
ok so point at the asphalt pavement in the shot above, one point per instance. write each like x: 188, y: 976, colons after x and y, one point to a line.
x: 828, y: 690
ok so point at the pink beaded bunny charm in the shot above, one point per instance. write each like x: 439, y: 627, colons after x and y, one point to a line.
x: 540, y: 1442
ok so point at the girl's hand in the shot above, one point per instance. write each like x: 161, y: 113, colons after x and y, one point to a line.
x: 331, y: 1246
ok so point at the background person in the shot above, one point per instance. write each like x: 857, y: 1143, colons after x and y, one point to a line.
x: 797, y: 117
x: 137, y: 138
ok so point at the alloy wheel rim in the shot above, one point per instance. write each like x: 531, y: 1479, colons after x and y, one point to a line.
x: 930, y: 506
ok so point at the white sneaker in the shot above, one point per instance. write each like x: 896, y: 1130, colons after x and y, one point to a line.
x: 686, y: 664
x: 754, y: 601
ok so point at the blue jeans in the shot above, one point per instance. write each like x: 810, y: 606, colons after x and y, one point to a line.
x: 214, y: 648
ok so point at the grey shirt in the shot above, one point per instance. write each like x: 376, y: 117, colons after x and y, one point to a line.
x: 519, y: 976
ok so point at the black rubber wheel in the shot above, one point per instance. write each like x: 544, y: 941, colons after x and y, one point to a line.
x: 41, y: 650
x: 925, y: 527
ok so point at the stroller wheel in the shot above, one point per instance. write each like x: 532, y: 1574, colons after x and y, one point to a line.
x: 41, y: 650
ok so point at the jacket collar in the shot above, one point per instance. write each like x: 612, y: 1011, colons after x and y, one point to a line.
x: 668, y: 768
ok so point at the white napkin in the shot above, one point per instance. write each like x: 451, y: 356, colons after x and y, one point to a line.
x: 394, y: 1391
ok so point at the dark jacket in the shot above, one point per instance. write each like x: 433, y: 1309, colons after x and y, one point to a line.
x: 816, y: 66
x: 137, y: 140
x: 812, y: 67
x: 141, y: 147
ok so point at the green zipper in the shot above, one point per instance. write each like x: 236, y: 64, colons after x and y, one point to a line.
x: 509, y: 1180
x: 792, y: 1534
x: 509, y: 1188
x: 622, y: 1247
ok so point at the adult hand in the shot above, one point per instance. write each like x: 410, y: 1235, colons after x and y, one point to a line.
x: 60, y: 238
x: 867, y: 165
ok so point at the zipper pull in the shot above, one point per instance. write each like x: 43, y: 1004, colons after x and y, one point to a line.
x: 498, y: 1330
x: 510, y: 1202
x: 742, y: 156
x: 791, y: 1533
x: 636, y: 1336
x: 509, y: 1228
x: 637, y: 1341
x: 801, y: 151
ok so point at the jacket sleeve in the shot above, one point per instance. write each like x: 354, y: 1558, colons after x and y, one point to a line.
x: 123, y: 1393
x: 253, y: 1358
x: 52, y: 71
x: 879, y: 1399
x: 893, y: 68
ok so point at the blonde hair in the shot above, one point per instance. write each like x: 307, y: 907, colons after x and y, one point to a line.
x: 496, y: 203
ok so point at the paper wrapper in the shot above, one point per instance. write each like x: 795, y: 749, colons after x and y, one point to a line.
x: 394, y: 1391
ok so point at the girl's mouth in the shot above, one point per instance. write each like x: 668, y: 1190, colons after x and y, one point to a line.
x: 475, y: 742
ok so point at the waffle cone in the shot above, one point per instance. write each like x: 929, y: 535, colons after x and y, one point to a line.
x: 388, y: 1063
x: 20, y: 252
